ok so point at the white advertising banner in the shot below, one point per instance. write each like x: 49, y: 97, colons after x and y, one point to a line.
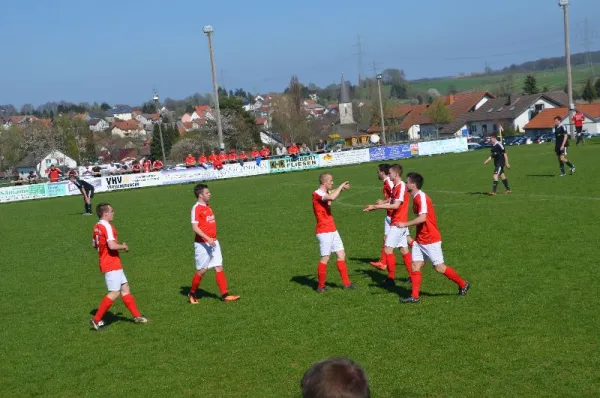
x: 95, y: 182
x: 128, y: 181
x: 188, y: 175
x: 23, y: 192
x: 443, y: 146
x: 248, y: 169
x: 345, y: 157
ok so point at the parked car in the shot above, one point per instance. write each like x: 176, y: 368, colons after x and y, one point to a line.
x: 474, y: 146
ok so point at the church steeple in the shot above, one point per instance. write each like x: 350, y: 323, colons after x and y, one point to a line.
x: 345, y: 104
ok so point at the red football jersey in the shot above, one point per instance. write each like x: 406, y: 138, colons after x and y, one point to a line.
x: 137, y: 168
x: 427, y: 232
x: 205, y: 218
x: 222, y: 157
x: 388, y: 187
x: 578, y: 119
x: 400, y: 193
x: 147, y: 165
x: 243, y: 156
x: 157, y: 164
x: 265, y: 152
x: 233, y: 156
x: 255, y: 154
x: 190, y: 161
x: 109, y: 260
x: 202, y: 159
x: 54, y: 174
x: 322, y: 210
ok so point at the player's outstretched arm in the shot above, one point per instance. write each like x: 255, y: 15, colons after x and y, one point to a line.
x: 487, y: 160
x: 384, y: 206
x: 336, y: 192
x: 416, y: 221
x: 114, y: 245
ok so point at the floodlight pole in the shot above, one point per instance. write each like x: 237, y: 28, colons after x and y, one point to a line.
x: 162, y: 142
x: 379, y: 77
x: 564, y: 4
x: 208, y: 30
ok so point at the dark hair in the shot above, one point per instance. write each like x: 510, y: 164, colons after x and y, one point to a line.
x: 416, y: 178
x: 335, y: 377
x: 494, y: 136
x: 397, y: 168
x: 558, y: 118
x: 102, y: 208
x: 385, y: 168
x: 71, y: 176
x: 198, y: 189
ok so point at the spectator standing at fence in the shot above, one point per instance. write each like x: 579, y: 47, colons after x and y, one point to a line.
x: 72, y: 172
x: 335, y: 377
x: 136, y: 167
x: 304, y: 150
x: 97, y: 170
x: 222, y: 156
x: 428, y: 241
x: 87, y: 190
x: 255, y: 153
x: 233, y: 157
x: 207, y: 250
x: 105, y: 241
x: 54, y: 173
x: 327, y: 234
x: 265, y: 152
x: 320, y: 146
x: 202, y: 160
x: 190, y: 161
x: 112, y: 168
x: 157, y: 165
x: 243, y: 156
x: 32, y: 177
x: 217, y: 163
x: 212, y: 157
x: 147, y: 165
x: 578, y: 119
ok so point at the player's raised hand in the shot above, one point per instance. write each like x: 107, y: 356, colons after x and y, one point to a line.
x: 346, y: 185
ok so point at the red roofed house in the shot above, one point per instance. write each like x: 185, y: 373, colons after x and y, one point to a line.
x: 262, y: 123
x: 543, y: 123
x: 401, y: 123
x: 460, y: 107
x: 127, y: 128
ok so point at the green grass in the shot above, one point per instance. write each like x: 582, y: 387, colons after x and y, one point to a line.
x: 554, y: 79
x: 529, y: 326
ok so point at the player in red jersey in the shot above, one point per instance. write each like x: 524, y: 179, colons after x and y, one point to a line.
x: 207, y: 249
x: 383, y: 171
x: 190, y: 161
x: 396, y: 236
x: 327, y: 234
x: 137, y: 168
x: 54, y: 173
x: 147, y: 165
x: 428, y: 241
x: 157, y: 165
x: 105, y: 241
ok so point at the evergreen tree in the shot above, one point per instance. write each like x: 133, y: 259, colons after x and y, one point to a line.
x: 589, y: 92
x: 530, y: 85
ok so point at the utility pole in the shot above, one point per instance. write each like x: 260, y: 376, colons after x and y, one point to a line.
x: 162, y: 142
x: 379, y: 77
x: 360, y: 54
x: 208, y: 30
x: 565, y: 6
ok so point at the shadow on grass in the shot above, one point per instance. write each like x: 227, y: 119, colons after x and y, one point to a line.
x: 540, y: 175
x: 478, y: 193
x: 363, y: 260
x: 379, y: 278
x: 185, y: 290
x: 311, y: 281
x: 111, y: 317
x: 400, y: 288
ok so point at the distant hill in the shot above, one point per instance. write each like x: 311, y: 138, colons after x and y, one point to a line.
x: 550, y: 73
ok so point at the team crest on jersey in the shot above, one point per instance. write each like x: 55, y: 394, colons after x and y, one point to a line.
x: 210, y: 218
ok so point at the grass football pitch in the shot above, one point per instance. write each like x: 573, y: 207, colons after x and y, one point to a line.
x: 528, y: 327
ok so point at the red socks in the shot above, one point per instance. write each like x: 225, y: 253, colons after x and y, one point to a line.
x: 195, y: 283
x: 391, y: 265
x: 105, y: 304
x: 407, y: 262
x: 221, y: 282
x: 415, y: 279
x: 383, y: 255
x: 454, y: 277
x: 322, y: 274
x: 129, y: 302
x: 341, y: 266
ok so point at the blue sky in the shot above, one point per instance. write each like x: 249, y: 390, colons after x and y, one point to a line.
x: 118, y: 51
